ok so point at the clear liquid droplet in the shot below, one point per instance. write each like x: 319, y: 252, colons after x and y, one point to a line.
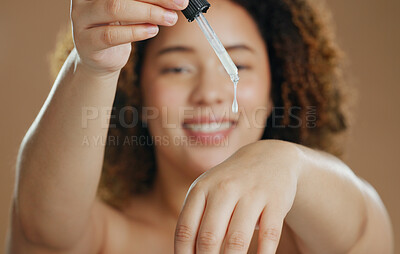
x: 235, y: 106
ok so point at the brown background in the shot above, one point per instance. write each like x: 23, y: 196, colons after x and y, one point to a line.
x: 368, y: 31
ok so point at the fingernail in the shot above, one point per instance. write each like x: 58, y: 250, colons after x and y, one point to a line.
x: 170, y: 17
x: 180, y: 3
x: 151, y: 30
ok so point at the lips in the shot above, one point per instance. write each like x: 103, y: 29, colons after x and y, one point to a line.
x: 208, y: 127
x: 208, y: 130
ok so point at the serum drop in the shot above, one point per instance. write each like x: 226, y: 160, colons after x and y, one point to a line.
x: 235, y: 106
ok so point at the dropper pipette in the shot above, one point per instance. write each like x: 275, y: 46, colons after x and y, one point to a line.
x: 195, y: 11
x: 219, y: 49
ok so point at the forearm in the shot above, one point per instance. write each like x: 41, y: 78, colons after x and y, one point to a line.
x: 57, y: 175
x: 329, y: 212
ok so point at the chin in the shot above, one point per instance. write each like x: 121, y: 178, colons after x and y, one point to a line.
x: 202, y: 159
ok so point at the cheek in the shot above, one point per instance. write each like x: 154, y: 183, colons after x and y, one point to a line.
x: 162, y: 94
x: 254, y: 91
x: 166, y: 99
x: 253, y: 98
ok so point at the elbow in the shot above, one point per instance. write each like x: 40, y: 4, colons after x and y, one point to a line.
x: 376, y: 235
x: 38, y: 231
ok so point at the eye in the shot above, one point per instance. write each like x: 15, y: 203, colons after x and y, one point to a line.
x: 175, y: 70
x: 242, y: 67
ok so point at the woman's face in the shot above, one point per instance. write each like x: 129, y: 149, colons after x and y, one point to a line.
x: 187, y: 94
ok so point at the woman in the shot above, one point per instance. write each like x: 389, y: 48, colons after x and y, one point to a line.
x: 181, y: 173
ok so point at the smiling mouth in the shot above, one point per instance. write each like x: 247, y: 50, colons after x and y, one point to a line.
x: 208, y: 130
x: 210, y: 127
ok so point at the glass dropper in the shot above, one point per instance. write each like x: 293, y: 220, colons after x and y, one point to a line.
x: 194, y: 11
x: 219, y: 49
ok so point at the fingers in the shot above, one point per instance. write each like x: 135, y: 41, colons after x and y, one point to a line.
x: 93, y: 20
x: 103, y: 37
x: 241, y: 227
x: 189, y: 222
x: 169, y: 4
x: 271, y: 223
x: 202, y: 225
x: 104, y: 29
x: 134, y: 12
x: 214, y: 223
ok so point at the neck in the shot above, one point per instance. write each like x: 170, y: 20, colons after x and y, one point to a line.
x: 170, y: 186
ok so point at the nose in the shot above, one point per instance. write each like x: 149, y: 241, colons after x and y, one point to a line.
x: 213, y: 87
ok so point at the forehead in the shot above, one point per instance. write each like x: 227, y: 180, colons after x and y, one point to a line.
x: 231, y: 22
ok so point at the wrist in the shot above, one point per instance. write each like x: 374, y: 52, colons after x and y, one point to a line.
x: 291, y: 153
x: 87, y: 71
x: 302, y: 162
x: 304, y: 180
x: 294, y: 157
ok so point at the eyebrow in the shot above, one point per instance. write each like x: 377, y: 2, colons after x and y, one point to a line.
x: 175, y: 49
x: 239, y: 47
x: 191, y: 50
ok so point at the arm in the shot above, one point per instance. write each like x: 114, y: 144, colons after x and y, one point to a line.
x: 329, y: 209
x: 60, y: 159
x: 57, y: 176
x: 335, y: 211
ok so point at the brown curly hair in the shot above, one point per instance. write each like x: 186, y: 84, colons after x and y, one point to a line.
x: 305, y: 70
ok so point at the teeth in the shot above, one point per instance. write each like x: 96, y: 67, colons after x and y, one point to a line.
x: 209, y: 127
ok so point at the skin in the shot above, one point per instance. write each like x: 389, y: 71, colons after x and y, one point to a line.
x: 52, y: 151
x: 224, y: 204
x: 203, y: 88
x: 266, y: 181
